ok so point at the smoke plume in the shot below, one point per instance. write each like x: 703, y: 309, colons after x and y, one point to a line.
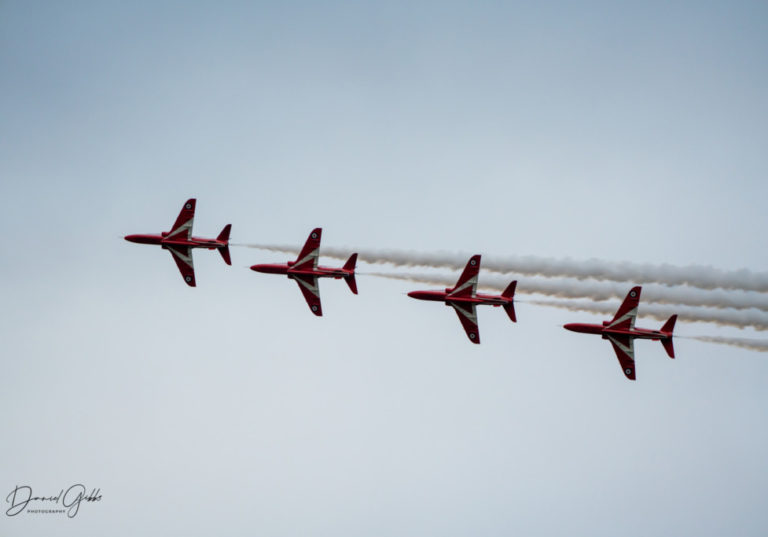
x: 740, y: 319
x: 725, y: 317
x: 760, y: 345
x: 703, y: 277
x: 601, y: 291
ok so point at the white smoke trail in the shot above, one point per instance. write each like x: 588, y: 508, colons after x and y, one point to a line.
x: 760, y: 345
x: 703, y: 277
x: 740, y: 319
x: 724, y: 317
x: 600, y: 291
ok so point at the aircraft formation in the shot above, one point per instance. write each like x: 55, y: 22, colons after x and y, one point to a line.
x: 463, y: 297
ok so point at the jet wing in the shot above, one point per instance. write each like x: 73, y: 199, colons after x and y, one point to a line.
x: 625, y: 352
x: 467, y: 284
x: 311, y: 291
x: 468, y: 316
x: 182, y: 228
x: 183, y: 257
x: 307, y: 259
x: 625, y: 316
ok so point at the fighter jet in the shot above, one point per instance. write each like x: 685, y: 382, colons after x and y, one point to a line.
x: 463, y: 297
x: 621, y: 332
x: 180, y: 242
x: 305, y: 271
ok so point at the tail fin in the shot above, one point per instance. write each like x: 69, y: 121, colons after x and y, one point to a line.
x: 351, y: 282
x: 350, y: 279
x: 669, y: 347
x: 351, y: 262
x: 509, y: 292
x: 224, y: 236
x: 225, y: 254
x: 668, y: 327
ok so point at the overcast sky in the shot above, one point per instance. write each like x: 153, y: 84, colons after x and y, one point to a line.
x: 573, y: 129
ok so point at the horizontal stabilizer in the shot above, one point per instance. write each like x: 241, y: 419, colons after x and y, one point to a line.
x: 351, y: 282
x: 351, y: 262
x: 225, y: 254
x: 669, y: 326
x: 510, y: 309
x: 669, y: 347
x: 224, y: 235
x: 509, y: 292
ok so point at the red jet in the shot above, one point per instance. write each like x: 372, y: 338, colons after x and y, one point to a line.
x: 180, y: 242
x: 463, y: 297
x: 306, y: 271
x: 621, y: 332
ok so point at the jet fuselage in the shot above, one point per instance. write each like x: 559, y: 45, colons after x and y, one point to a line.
x: 600, y: 329
x: 443, y: 296
x: 160, y: 240
x: 319, y: 271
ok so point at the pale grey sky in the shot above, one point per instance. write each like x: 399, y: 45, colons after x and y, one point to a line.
x: 570, y: 129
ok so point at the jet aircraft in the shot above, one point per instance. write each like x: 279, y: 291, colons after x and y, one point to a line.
x: 621, y: 332
x: 464, y: 297
x: 305, y: 271
x: 180, y: 242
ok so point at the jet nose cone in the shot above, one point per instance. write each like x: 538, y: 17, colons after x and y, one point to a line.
x: 569, y: 326
x: 266, y: 269
x: 130, y: 238
x: 421, y: 295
